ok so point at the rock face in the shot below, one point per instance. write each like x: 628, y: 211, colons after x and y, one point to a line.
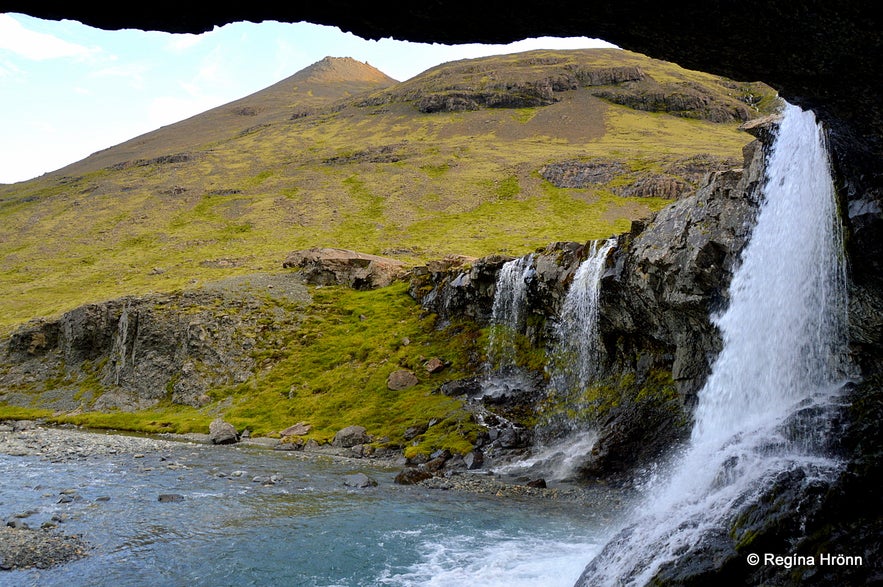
x: 679, y: 179
x: 328, y: 266
x: 458, y: 288
x: 661, y: 284
x: 132, y: 352
x: 659, y: 288
x: 673, y: 273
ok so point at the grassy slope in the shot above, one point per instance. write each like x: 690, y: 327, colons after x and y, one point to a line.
x: 462, y: 183
x: 382, y: 179
x: 329, y: 370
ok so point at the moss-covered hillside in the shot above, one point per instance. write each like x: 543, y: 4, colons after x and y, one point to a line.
x: 370, y: 172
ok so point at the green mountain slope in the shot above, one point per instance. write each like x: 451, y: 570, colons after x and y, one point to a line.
x: 501, y: 154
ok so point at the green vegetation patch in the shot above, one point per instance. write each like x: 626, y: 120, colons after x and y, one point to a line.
x: 332, y: 372
x: 330, y: 369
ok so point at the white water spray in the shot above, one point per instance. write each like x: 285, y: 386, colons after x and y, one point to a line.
x: 784, y: 344
x: 577, y: 333
x: 507, y: 314
x: 577, y: 352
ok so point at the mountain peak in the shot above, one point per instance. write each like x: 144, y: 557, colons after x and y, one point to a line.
x: 342, y: 69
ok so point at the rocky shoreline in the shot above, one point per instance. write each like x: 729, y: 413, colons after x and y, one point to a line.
x: 23, y: 547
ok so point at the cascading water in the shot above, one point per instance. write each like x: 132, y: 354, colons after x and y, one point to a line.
x: 783, y: 352
x: 576, y: 334
x: 502, y: 378
x: 577, y: 355
x: 507, y: 314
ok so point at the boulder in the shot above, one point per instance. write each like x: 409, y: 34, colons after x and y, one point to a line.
x: 359, y: 480
x: 350, y: 436
x: 473, y: 459
x: 401, y: 379
x: 434, y: 365
x: 221, y: 432
x: 329, y: 266
x: 412, y: 476
x: 299, y: 429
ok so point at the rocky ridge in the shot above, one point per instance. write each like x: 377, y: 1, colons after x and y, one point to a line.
x: 134, y: 352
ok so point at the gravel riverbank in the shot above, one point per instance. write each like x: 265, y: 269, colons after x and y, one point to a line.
x: 23, y: 547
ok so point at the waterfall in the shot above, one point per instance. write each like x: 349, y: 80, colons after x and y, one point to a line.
x: 507, y: 314
x: 576, y: 334
x: 576, y: 353
x: 783, y: 354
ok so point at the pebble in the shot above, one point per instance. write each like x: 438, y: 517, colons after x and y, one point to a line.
x: 59, y: 445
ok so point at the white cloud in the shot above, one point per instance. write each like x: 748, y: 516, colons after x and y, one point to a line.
x: 178, y: 43
x: 36, y: 46
x: 133, y: 72
x: 7, y: 68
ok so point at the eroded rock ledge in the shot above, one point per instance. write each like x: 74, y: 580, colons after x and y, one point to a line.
x: 330, y: 266
x: 133, y: 352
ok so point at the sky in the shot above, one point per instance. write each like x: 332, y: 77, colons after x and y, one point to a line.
x: 68, y: 90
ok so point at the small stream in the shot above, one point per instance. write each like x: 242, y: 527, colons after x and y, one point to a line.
x: 308, y: 528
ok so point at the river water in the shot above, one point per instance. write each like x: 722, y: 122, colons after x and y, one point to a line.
x: 308, y: 528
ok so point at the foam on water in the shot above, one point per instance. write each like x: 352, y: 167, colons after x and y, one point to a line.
x: 495, y: 560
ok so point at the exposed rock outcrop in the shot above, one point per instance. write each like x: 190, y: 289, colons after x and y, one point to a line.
x: 134, y: 352
x: 678, y: 179
x: 673, y: 274
x: 329, y: 266
x: 660, y: 287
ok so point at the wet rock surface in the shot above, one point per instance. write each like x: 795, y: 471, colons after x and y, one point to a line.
x: 659, y: 288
